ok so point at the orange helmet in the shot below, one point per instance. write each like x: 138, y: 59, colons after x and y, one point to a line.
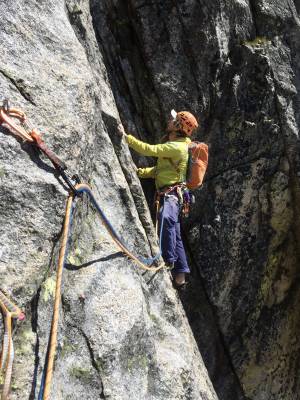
x: 186, y: 121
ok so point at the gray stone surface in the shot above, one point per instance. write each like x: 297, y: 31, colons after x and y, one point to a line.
x: 79, y: 66
x: 123, y: 333
x: 235, y: 64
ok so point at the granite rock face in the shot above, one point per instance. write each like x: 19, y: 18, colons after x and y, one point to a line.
x: 235, y: 64
x: 123, y: 332
x: 77, y: 67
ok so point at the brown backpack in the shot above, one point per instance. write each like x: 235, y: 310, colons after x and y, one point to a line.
x: 197, y: 164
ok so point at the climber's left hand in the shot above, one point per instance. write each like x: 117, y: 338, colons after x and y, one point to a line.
x: 121, y: 130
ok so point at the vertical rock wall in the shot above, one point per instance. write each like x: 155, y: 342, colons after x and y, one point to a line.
x: 74, y: 66
x: 236, y: 65
x: 122, y: 333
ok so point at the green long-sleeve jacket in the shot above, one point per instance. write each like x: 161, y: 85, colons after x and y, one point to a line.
x: 166, y: 172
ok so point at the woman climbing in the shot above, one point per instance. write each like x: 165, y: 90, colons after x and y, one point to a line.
x: 170, y: 176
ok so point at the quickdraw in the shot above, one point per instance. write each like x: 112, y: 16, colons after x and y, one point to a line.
x: 9, y: 312
x: 16, y: 120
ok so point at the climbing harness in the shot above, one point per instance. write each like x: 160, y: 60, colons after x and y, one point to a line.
x: 9, y: 312
x: 24, y: 130
x: 183, y: 195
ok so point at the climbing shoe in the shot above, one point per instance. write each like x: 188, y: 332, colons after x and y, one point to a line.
x: 180, y: 287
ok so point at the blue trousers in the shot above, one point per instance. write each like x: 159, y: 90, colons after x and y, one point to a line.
x: 172, y: 246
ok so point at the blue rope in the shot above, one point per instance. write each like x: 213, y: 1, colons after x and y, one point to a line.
x: 147, y: 261
x: 42, y: 386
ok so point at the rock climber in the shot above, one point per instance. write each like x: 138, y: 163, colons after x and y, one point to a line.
x: 170, y: 175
